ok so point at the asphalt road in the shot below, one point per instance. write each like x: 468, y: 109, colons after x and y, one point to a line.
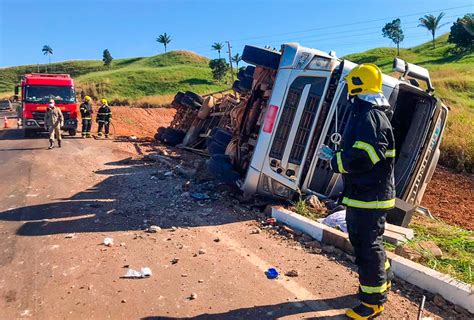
x: 57, y: 206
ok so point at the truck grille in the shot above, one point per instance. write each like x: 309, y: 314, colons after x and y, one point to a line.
x: 304, y: 129
x: 285, y: 123
x: 323, y: 174
x: 39, y: 116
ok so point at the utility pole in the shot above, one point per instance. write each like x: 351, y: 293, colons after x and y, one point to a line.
x: 229, y: 49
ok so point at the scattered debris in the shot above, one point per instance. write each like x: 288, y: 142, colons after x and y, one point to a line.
x: 184, y: 275
x: 430, y: 248
x: 408, y: 252
x: 202, y: 251
x: 108, y: 242
x: 200, y: 281
x: 186, y: 172
x: 337, y: 220
x: 168, y: 173
x: 70, y: 235
x: 271, y: 221
x: 186, y: 186
x: 272, y: 273
x: 287, y: 229
x: 292, y: 273
x: 133, y: 137
x: 217, y: 239
x: 199, y: 196
x: 124, y: 301
x: 193, y: 296
x: 314, y: 202
x: 154, y: 229
x: 255, y: 231
x: 174, y: 261
x: 143, y: 273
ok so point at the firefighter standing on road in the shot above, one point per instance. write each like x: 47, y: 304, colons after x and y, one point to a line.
x: 366, y: 162
x: 86, y: 115
x: 53, y: 121
x: 104, y: 116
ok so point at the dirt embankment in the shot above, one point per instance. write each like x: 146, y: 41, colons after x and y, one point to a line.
x: 450, y: 196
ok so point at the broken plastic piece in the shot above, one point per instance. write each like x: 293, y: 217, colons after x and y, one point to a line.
x: 199, y: 196
x: 109, y: 242
x: 272, y: 273
x: 143, y: 273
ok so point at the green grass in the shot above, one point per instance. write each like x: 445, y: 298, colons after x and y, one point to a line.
x: 457, y: 245
x: 130, y: 78
x: 453, y: 79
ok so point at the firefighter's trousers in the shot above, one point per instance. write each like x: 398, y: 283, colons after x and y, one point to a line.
x: 86, y: 126
x: 366, y: 228
x: 105, y: 125
x: 54, y: 132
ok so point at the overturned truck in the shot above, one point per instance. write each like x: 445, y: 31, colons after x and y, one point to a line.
x: 287, y: 104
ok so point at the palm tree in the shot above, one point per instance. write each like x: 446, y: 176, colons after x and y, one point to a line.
x: 47, y: 51
x: 218, y: 47
x: 431, y: 23
x: 164, y: 38
x: 237, y: 58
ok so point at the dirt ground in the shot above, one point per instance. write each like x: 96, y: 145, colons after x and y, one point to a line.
x: 452, y: 207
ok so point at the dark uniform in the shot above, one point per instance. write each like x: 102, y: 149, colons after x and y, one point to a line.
x: 104, y: 116
x: 86, y: 115
x: 366, y: 161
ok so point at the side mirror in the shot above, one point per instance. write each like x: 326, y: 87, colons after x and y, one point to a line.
x: 17, y: 90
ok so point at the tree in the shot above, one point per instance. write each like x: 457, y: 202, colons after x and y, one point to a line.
x: 237, y: 58
x: 393, y: 31
x: 47, y: 51
x: 107, y: 57
x: 462, y: 33
x: 219, y: 68
x: 218, y: 47
x: 431, y: 23
x: 164, y: 39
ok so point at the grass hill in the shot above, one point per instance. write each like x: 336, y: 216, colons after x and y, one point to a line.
x: 453, y: 79
x: 131, y: 78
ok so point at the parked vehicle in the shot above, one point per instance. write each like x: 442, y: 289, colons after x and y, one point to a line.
x: 36, y: 91
x: 297, y: 101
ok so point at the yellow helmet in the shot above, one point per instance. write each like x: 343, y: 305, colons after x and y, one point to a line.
x: 363, y: 79
x: 104, y: 101
x: 87, y: 98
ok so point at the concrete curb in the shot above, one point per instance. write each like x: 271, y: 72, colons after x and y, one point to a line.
x: 455, y: 291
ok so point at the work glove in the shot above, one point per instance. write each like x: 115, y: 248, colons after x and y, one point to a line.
x: 326, y: 153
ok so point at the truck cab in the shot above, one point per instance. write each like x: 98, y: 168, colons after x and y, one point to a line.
x: 309, y: 107
x: 36, y: 91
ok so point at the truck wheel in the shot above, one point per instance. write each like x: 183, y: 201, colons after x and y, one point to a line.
x: 190, y: 103
x: 178, y: 97
x: 246, y: 84
x: 235, y: 86
x: 72, y: 132
x: 261, y: 57
x: 241, y: 74
x: 173, y: 137
x: 195, y: 97
x: 159, y: 133
x: 249, y: 71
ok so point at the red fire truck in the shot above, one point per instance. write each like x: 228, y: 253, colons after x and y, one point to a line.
x: 36, y: 91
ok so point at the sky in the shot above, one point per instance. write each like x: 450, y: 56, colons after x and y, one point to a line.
x: 78, y: 30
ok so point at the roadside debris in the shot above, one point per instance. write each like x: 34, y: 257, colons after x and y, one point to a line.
x: 193, y: 296
x: 199, y: 196
x: 337, y: 220
x: 202, y: 251
x: 174, y: 261
x: 134, y: 274
x: 154, y: 229
x: 272, y: 273
x: 292, y: 273
x: 70, y: 236
x: 108, y: 242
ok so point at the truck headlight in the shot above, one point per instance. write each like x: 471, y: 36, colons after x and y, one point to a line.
x: 281, y: 190
x: 319, y: 63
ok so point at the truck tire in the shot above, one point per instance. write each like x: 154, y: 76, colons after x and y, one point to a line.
x: 222, y: 137
x: 178, y: 97
x: 72, y: 132
x: 241, y: 74
x: 159, y: 133
x: 235, y: 86
x: 261, y: 57
x: 173, y: 137
x: 249, y: 71
x: 220, y: 166
x: 195, y: 97
x: 190, y: 103
x: 246, y: 84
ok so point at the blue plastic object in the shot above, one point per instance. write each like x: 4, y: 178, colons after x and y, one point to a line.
x: 272, y: 273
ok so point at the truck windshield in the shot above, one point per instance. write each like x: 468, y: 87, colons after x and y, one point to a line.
x: 43, y: 94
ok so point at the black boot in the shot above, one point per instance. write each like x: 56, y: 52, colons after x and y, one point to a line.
x: 59, y: 143
x: 51, y: 146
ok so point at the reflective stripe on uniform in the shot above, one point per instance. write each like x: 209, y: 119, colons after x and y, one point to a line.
x: 390, y: 153
x: 104, y: 114
x: 377, y: 289
x: 340, y: 167
x: 387, y: 265
x: 383, y: 204
x: 369, y: 149
x: 86, y: 118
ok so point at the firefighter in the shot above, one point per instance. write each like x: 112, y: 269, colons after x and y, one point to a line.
x: 53, y: 121
x: 104, y: 116
x: 366, y: 162
x: 86, y: 115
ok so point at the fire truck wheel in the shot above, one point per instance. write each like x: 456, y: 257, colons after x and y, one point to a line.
x: 195, y: 97
x: 72, y: 132
x: 261, y: 57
